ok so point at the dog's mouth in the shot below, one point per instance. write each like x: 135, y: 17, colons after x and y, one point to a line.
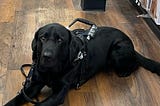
x: 49, y: 66
x: 49, y: 62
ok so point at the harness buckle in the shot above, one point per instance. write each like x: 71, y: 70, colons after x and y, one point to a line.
x: 80, y: 56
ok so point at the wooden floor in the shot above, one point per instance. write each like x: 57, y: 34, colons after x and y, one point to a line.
x: 19, y: 19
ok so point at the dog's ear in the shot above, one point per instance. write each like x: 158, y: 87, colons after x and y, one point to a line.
x: 70, y: 35
x: 74, y: 48
x: 34, y: 45
x: 72, y: 51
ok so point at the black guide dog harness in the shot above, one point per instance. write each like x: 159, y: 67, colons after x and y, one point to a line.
x: 85, y: 36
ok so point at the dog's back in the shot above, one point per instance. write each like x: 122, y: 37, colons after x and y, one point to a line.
x: 113, y: 48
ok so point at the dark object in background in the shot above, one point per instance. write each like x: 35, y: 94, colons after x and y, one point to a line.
x: 93, y: 4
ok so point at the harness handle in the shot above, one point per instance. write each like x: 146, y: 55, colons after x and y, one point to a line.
x: 89, y: 33
x: 82, y: 21
x: 22, y: 69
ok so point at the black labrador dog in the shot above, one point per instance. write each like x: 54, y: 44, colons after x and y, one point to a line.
x: 65, y: 61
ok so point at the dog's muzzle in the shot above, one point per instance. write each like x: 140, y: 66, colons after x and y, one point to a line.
x: 47, y: 55
x: 47, y: 59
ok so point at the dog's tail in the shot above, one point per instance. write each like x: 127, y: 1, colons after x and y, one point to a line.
x: 148, y: 64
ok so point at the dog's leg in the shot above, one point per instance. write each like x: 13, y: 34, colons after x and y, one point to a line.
x: 31, y: 91
x: 64, y: 86
x: 56, y: 98
x: 123, y: 59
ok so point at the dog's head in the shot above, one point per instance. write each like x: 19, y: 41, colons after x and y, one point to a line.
x: 51, y: 46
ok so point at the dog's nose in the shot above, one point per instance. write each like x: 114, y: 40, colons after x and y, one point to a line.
x: 47, y: 54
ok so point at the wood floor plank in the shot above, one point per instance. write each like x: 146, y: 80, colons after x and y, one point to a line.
x: 7, y: 10
x: 6, y: 30
x: 21, y: 42
x: 5, y: 38
x: 14, y: 81
x: 1, y: 98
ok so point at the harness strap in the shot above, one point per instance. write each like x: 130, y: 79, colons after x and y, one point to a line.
x: 85, y: 36
x: 81, y: 56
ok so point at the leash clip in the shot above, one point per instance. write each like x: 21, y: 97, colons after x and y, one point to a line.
x: 80, y: 56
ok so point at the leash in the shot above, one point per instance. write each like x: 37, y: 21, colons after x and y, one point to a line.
x: 27, y: 82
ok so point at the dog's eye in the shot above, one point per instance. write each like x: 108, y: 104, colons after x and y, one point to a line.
x: 43, y: 39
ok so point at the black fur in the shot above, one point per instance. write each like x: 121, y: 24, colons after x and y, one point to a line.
x: 55, y: 49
